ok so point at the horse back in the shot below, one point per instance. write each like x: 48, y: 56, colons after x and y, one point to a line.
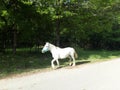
x: 67, y: 51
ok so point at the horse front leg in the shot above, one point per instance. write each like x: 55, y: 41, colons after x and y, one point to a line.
x: 58, y: 64
x: 52, y: 63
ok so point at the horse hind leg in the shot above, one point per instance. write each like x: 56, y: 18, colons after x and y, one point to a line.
x: 70, y: 59
x: 73, y: 58
x: 73, y: 61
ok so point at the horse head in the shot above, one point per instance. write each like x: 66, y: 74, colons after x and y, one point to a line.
x: 46, y: 47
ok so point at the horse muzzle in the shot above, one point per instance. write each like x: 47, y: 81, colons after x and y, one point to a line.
x: 43, y: 51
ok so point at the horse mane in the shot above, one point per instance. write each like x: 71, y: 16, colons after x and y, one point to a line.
x: 51, y: 44
x: 54, y: 46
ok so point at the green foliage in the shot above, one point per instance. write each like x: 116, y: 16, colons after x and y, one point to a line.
x: 88, y: 24
x: 2, y: 24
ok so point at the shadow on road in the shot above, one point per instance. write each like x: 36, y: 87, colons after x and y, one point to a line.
x: 82, y: 62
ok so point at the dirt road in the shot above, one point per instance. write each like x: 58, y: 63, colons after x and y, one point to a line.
x: 97, y: 76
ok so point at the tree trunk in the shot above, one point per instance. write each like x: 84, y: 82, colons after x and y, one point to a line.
x: 14, y: 39
x: 58, y: 32
x: 58, y: 13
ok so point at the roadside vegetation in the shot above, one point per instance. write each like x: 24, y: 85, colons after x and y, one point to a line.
x: 25, y: 61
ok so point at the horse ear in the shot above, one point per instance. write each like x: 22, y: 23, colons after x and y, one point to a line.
x: 47, y: 42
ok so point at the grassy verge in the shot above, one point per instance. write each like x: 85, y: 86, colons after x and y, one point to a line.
x: 26, y: 62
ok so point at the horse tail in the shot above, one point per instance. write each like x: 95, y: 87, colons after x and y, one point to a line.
x: 75, y: 55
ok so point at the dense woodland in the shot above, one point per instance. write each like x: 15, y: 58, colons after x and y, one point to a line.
x: 88, y: 24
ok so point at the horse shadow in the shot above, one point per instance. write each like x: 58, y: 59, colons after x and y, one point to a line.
x: 82, y: 62
x: 70, y: 66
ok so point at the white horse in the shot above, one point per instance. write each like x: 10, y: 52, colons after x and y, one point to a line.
x: 60, y: 53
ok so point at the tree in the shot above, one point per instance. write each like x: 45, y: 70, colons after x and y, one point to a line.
x: 85, y: 23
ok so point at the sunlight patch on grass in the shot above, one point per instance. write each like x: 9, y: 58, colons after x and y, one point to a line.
x: 95, y: 57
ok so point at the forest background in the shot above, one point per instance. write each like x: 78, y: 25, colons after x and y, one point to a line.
x: 88, y: 24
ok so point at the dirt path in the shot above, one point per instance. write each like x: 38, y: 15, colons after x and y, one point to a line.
x: 98, y: 76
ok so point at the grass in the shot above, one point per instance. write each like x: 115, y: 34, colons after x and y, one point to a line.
x: 25, y: 61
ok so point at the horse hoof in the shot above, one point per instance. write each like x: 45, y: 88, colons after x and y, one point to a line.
x: 73, y: 65
x: 53, y: 67
x: 70, y: 64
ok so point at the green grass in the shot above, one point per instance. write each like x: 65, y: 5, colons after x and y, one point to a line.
x: 26, y: 61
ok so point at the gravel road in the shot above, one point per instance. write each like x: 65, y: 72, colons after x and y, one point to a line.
x: 97, y: 76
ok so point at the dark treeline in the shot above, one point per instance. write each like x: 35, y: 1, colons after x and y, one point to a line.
x: 89, y: 24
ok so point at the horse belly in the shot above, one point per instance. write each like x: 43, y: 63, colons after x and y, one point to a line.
x: 64, y: 54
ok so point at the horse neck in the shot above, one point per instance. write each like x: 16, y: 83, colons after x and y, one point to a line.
x: 52, y: 47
